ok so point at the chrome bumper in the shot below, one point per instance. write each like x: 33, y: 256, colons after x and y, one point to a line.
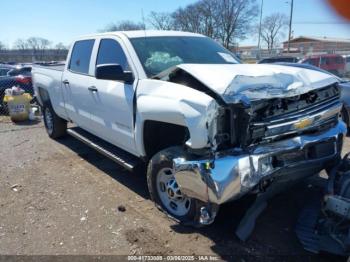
x: 231, y: 174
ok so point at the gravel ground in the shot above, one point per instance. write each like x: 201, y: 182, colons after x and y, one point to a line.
x: 61, y: 197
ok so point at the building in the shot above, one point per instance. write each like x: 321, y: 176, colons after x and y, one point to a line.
x: 318, y: 45
x: 253, y: 52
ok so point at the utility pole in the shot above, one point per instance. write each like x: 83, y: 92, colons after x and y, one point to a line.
x: 261, y: 12
x: 290, y: 24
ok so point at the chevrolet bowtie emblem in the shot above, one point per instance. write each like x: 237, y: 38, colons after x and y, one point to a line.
x: 303, y: 123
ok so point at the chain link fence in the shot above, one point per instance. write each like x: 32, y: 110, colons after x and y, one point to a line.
x: 336, y: 61
x: 16, y: 77
x: 15, y: 71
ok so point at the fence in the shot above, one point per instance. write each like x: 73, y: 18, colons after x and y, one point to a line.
x: 30, y: 55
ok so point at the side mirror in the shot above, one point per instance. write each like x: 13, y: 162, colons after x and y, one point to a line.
x: 113, y: 72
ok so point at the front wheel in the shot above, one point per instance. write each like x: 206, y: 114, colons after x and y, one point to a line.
x: 55, y: 126
x: 165, y: 191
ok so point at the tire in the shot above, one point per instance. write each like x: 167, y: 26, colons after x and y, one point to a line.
x: 4, y: 108
x: 55, y: 126
x: 345, y: 118
x: 161, y: 163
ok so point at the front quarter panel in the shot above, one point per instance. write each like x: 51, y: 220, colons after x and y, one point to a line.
x: 175, y: 104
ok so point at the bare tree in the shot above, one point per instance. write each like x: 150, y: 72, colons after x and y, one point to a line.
x: 2, y: 46
x: 125, y: 25
x: 20, y: 44
x: 272, y: 29
x: 188, y: 18
x: 234, y: 19
x: 161, y: 21
x: 226, y: 20
x: 38, y: 43
x: 60, y: 46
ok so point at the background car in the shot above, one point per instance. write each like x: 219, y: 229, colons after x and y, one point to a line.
x: 347, y: 64
x: 278, y: 59
x: 335, y: 64
x: 10, y: 76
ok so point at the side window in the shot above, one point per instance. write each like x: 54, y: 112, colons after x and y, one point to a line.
x: 110, y: 52
x: 81, y: 55
x: 314, y: 61
x: 307, y: 61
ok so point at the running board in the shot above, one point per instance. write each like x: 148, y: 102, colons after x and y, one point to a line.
x: 114, y: 153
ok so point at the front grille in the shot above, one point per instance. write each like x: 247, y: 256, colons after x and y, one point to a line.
x: 317, y: 151
x: 278, y: 118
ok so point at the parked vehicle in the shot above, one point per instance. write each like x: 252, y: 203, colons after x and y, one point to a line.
x: 279, y: 59
x: 14, y: 76
x: 335, y: 64
x: 210, y: 130
x: 347, y: 64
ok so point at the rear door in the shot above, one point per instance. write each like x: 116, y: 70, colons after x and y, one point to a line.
x: 76, y: 80
x: 112, y: 113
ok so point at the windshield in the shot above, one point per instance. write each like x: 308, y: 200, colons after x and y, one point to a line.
x: 160, y: 53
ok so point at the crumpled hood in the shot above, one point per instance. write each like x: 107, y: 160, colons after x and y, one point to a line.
x: 246, y: 82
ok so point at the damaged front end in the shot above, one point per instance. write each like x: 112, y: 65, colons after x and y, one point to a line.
x: 261, y: 128
x: 230, y: 174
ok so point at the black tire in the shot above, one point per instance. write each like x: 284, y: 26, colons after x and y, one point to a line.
x: 162, y: 160
x: 56, y: 127
x: 4, y: 108
x: 345, y: 118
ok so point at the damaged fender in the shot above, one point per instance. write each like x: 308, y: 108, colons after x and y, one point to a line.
x: 175, y: 104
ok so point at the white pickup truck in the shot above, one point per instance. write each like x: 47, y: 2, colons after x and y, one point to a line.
x: 209, y: 128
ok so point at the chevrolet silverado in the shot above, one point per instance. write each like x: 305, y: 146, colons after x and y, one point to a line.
x: 209, y: 128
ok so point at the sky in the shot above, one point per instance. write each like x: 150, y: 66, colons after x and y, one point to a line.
x: 63, y: 20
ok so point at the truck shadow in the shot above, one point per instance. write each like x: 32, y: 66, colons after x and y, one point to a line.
x: 273, y: 239
x: 136, y: 181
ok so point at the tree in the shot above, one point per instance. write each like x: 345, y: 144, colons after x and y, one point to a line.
x: 2, y: 46
x: 226, y: 20
x: 234, y: 18
x: 125, y: 25
x: 38, y: 43
x: 60, y: 46
x: 272, y: 29
x: 20, y: 44
x: 161, y: 21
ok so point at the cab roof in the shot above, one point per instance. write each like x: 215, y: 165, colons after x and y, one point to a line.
x: 145, y: 33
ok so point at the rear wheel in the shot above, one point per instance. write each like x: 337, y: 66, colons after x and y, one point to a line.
x: 55, y: 126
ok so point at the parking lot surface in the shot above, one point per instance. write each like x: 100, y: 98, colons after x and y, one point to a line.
x: 61, y: 197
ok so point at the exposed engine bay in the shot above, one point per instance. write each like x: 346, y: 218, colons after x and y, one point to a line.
x: 253, y: 121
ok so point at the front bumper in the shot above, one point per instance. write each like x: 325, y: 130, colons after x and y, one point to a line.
x: 231, y: 174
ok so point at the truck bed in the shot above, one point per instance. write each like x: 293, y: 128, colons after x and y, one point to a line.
x: 57, y: 67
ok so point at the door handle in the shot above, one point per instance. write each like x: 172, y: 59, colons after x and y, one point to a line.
x: 92, y: 88
x: 65, y: 82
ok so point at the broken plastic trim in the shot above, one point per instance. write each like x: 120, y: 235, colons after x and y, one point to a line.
x: 231, y: 174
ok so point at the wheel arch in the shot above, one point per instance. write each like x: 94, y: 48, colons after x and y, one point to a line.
x: 158, y: 135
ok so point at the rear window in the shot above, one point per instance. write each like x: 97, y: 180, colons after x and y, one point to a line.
x: 26, y: 71
x: 81, y: 55
x: 339, y: 60
x: 4, y: 71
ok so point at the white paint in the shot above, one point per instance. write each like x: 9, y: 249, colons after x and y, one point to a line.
x: 109, y: 113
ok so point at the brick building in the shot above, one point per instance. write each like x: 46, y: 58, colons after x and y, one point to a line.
x: 318, y: 45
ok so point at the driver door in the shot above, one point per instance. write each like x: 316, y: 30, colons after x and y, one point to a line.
x: 112, y: 109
